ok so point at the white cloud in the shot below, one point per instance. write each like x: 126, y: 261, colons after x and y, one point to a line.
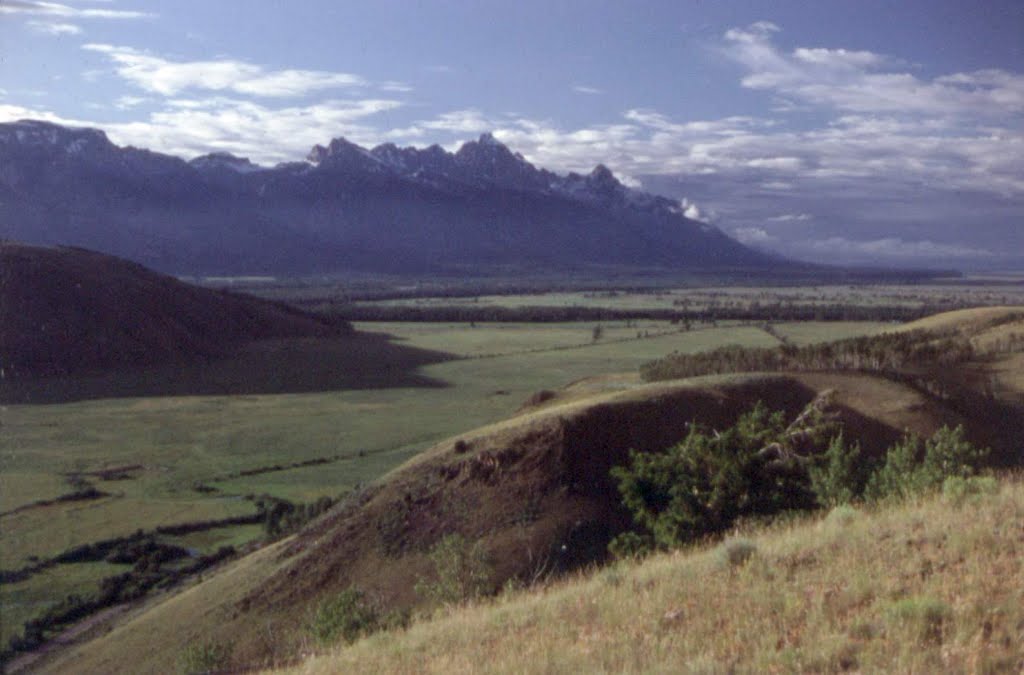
x: 53, y: 28
x: 838, y: 59
x: 265, y: 135
x: 755, y: 236
x: 190, y: 127
x: 694, y: 212
x: 584, y: 89
x: 161, y: 76
x: 12, y: 113
x: 790, y: 218
x: 630, y: 181
x: 468, y: 122
x: 56, y: 9
x: 128, y: 102
x: 397, y: 87
x: 857, y: 80
x: 892, y: 247
x: 775, y: 163
x: 759, y: 30
x: 861, y: 148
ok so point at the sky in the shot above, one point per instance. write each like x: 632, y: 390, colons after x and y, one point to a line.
x: 848, y: 131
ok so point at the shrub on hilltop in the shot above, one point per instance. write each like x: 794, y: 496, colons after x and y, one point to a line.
x: 761, y: 467
x: 702, y: 485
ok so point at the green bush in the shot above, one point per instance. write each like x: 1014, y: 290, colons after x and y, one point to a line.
x: 948, y: 453
x: 736, y: 552
x: 630, y: 545
x: 836, y: 477
x: 897, y: 477
x: 204, y: 657
x: 842, y: 515
x: 347, y: 616
x: 460, y: 572
x: 704, y: 484
x: 761, y: 469
x: 957, y: 489
x: 912, y: 468
x: 396, y: 619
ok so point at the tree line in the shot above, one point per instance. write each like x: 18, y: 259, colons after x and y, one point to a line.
x: 575, y: 313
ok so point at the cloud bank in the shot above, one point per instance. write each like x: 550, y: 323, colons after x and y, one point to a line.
x: 162, y: 76
x: 908, y: 163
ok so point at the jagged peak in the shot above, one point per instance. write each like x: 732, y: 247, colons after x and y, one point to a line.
x: 487, y: 145
x: 436, y: 150
x: 224, y: 159
x: 385, y: 148
x: 603, y: 180
x: 223, y: 155
x: 338, y: 147
x: 487, y: 138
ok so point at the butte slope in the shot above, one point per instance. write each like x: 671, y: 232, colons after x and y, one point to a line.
x: 78, y: 324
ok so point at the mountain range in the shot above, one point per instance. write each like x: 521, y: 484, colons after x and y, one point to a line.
x: 346, y: 208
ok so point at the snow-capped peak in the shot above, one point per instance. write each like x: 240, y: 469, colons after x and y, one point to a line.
x: 341, y: 151
x: 38, y: 132
x: 487, y: 138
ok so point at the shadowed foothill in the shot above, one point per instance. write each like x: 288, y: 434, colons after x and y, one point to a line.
x: 77, y: 325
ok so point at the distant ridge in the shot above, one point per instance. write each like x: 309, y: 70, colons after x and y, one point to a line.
x: 66, y: 311
x: 386, y: 209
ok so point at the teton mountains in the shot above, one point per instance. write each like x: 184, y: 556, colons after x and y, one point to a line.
x: 347, y: 208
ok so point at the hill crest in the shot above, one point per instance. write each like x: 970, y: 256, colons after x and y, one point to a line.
x: 69, y: 311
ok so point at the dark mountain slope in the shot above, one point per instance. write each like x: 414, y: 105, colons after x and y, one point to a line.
x: 66, y: 311
x: 387, y: 209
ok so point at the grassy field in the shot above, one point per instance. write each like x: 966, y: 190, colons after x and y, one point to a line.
x: 929, y: 586
x: 810, y: 332
x: 25, y: 600
x: 173, y: 444
x: 179, y: 441
x: 497, y: 339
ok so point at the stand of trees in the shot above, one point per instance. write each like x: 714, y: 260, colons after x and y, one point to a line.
x: 548, y: 314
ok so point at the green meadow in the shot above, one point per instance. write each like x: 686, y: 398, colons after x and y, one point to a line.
x: 172, y: 447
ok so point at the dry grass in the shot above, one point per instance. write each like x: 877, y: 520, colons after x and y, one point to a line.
x: 925, y: 587
x: 964, y: 319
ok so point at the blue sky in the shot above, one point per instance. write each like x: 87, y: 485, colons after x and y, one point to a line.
x: 853, y: 131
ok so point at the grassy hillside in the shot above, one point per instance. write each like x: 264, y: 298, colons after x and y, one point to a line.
x: 930, y: 586
x: 533, y: 490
